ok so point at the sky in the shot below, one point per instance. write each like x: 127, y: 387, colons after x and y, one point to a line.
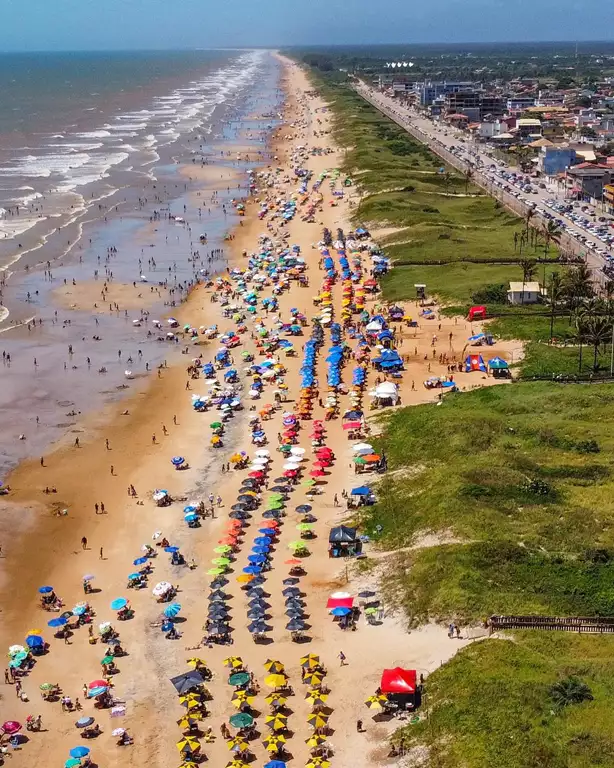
x: 63, y: 25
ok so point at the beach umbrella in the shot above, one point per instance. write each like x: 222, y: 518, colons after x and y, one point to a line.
x: 172, y: 610
x: 241, y: 720
x: 188, y: 744
x: 252, y: 570
x: 315, y: 740
x: 292, y: 561
x: 317, y: 720
x: 258, y: 627
x: 171, y: 550
x: 59, y: 621
x: 276, y: 722
x: 239, y: 678
x: 316, y: 698
x: 98, y: 691
x: 272, y: 743
x: 47, y: 590
x: 275, y: 699
x: 215, y: 571
x: 79, y: 751
x: 376, y: 702
x: 15, y: 649
x: 221, y: 561
x: 238, y: 744
x: 275, y: 681
x: 313, y: 678
x: 310, y: 660
x: 223, y: 548
x: 304, y: 508
x: 35, y: 641
x: 291, y: 581
x: 218, y: 583
x: 273, y: 666
x: 11, y: 727
x: 195, y: 661
x: 119, y: 603
x: 254, y: 592
x: 47, y: 686
x: 296, y: 545
x: 186, y: 722
x: 83, y: 722
x: 341, y: 611
x: 295, y: 625
x: 245, y: 578
x: 72, y: 762
x: 139, y: 561
x: 317, y: 762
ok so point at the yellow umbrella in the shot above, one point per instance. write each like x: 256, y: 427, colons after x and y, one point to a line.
x: 275, y: 667
x: 245, y: 578
x: 237, y: 743
x: 274, y: 740
x: 313, y: 678
x: 233, y: 662
x: 188, y: 744
x: 317, y: 720
x: 236, y: 764
x: 186, y: 722
x: 196, y: 662
x: 275, y: 681
x: 187, y: 763
x: 275, y: 698
x: 376, y: 702
x: 238, y: 702
x: 315, y: 763
x: 276, y: 722
x: 311, y: 660
x: 34, y: 632
x: 241, y: 696
x: 315, y: 740
x: 236, y: 458
x: 316, y: 697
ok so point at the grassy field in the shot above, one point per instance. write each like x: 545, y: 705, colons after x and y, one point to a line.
x: 491, y: 705
x: 520, y: 477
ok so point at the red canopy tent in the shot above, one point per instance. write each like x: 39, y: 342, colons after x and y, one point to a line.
x: 398, y: 680
x: 477, y: 313
x: 340, y: 602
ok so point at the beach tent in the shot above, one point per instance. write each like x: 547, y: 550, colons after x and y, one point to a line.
x: 342, y: 534
x: 475, y: 363
x: 497, y: 364
x: 477, y: 313
x: 398, y: 680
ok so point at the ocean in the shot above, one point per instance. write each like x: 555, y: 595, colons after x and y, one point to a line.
x: 91, y: 144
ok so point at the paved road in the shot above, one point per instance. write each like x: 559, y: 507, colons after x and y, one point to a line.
x: 444, y: 141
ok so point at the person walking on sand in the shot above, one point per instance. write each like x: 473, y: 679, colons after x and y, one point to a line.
x: 96, y: 507
x: 101, y: 554
x: 342, y: 659
x: 84, y: 543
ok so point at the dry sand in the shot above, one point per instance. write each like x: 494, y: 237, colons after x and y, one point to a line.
x: 48, y: 548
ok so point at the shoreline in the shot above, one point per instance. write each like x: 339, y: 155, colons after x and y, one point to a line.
x: 83, y: 478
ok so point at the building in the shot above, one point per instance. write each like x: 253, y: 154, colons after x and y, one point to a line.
x: 554, y: 160
x: 520, y: 103
x: 524, y: 293
x: 428, y: 91
x: 589, y: 180
x: 491, y: 104
x: 464, y: 103
x: 608, y: 198
x: 528, y: 127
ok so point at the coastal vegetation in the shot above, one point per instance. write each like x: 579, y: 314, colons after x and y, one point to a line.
x: 499, y: 500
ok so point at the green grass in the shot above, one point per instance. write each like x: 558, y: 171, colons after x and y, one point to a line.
x: 522, y: 476
x: 490, y: 705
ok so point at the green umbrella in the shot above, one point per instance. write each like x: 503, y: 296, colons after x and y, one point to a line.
x: 46, y: 686
x: 215, y: 425
x: 107, y: 660
x: 239, y: 678
x: 221, y: 561
x: 359, y: 460
x: 308, y: 483
x: 72, y: 762
x: 275, y: 505
x: 276, y: 496
x: 296, y: 545
x: 285, y: 448
x: 223, y: 548
x: 241, y: 720
x: 370, y: 611
x: 304, y: 527
x: 215, y: 571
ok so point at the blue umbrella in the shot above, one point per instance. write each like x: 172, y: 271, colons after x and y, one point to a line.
x: 252, y: 569
x: 134, y: 575
x: 261, y: 550
x: 45, y: 590
x: 191, y: 518
x: 262, y: 539
x: 139, y: 561
x: 275, y: 764
x: 35, y: 641
x: 363, y: 490
x: 83, y: 722
x: 341, y: 611
x: 269, y: 531
x: 171, y: 550
x: 256, y: 558
x: 79, y: 610
x: 189, y: 508
x: 167, y: 626
x: 119, y: 603
x: 59, y: 621
x: 177, y: 460
x: 79, y: 751
x: 172, y: 610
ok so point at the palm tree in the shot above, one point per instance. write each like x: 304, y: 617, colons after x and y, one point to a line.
x: 569, y: 691
x: 468, y: 177
x: 529, y: 268
x: 552, y: 234
x: 578, y: 285
x: 597, y: 332
x: 527, y: 217
x: 555, y: 293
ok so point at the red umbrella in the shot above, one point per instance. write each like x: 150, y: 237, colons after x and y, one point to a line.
x: 398, y: 680
x: 292, y: 561
x: 352, y: 425
x: 257, y: 473
x: 291, y: 473
x: 317, y: 473
x: 11, y: 727
x: 340, y: 602
x: 98, y: 684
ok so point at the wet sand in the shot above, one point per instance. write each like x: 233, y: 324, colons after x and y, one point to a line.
x: 41, y: 548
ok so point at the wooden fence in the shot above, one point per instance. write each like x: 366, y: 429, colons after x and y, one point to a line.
x: 581, y: 624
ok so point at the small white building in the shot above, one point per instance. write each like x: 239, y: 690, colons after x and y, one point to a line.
x: 524, y: 293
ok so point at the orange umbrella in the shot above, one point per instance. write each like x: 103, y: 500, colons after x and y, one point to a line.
x: 293, y: 561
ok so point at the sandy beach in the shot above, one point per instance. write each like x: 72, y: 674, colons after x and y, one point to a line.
x: 131, y: 443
